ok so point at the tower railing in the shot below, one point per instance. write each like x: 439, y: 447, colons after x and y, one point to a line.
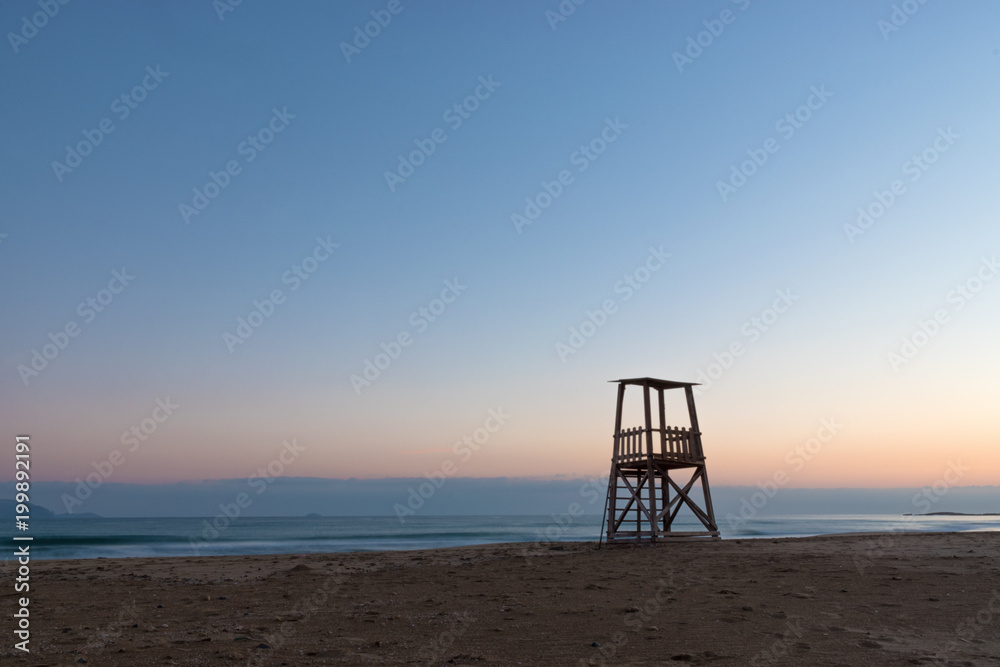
x: 673, y: 443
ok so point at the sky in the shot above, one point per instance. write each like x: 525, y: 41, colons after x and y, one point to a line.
x: 234, y: 234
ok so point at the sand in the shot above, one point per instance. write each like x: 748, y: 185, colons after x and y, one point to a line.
x: 897, y: 599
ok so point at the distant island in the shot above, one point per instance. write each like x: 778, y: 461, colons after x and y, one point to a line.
x: 954, y: 514
x: 8, y: 507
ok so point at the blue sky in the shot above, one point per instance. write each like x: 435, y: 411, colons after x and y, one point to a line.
x: 655, y: 186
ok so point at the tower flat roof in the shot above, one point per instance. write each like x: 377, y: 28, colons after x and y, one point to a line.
x: 657, y: 384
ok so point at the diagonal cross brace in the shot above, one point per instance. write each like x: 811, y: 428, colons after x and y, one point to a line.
x: 635, y: 499
x: 683, y: 495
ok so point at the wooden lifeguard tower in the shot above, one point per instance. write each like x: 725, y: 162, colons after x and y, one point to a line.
x: 643, y: 498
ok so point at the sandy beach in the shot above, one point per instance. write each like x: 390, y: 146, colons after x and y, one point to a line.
x: 894, y: 599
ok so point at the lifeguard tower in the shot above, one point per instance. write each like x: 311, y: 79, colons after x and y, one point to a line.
x: 643, y: 497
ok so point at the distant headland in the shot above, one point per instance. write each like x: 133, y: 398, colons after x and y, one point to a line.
x: 955, y: 514
x: 8, y: 505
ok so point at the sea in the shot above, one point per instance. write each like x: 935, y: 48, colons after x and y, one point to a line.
x: 186, y: 537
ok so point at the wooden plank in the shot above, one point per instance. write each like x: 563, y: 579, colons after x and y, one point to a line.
x: 695, y: 428
x: 635, y: 497
x: 692, y: 413
x: 624, y: 513
x: 664, y: 494
x: 670, y: 512
x: 638, y: 499
x: 663, y: 422
x: 649, y: 420
x: 663, y: 474
x: 632, y: 536
x: 708, y: 497
x: 698, y: 511
x: 613, y: 479
x: 649, y: 460
x: 618, y: 411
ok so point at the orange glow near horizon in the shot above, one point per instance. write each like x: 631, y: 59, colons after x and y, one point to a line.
x: 746, y: 442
